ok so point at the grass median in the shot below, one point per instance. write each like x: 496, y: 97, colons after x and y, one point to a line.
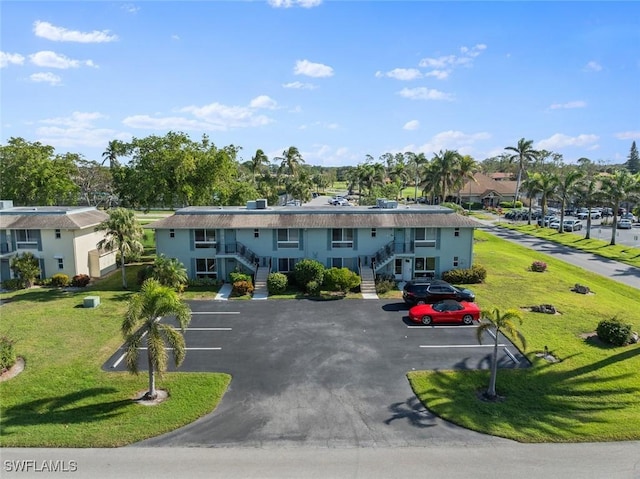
x: 591, y: 394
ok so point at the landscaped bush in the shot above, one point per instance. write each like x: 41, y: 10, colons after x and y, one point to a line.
x: 277, y: 283
x: 614, y: 331
x: 313, y: 288
x: 538, y: 266
x: 475, y: 274
x: 511, y: 204
x: 238, y: 276
x: 308, y: 270
x: 80, y: 280
x: 7, y: 353
x: 202, y: 282
x: 14, y: 284
x: 385, y: 285
x: 340, y: 279
x: 144, y: 274
x: 60, y: 280
x: 241, y: 288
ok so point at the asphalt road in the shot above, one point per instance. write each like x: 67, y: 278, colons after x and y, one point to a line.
x: 323, y: 374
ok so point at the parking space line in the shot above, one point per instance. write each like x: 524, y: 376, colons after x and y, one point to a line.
x: 187, y: 349
x: 214, y: 312
x: 206, y: 329
x: 510, y: 354
x: 434, y: 346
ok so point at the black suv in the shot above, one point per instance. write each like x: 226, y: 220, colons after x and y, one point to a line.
x: 432, y: 291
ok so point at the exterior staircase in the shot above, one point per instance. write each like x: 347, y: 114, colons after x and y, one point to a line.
x: 367, y: 283
x: 260, y: 290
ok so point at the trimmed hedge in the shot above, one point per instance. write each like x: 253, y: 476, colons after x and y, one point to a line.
x: 307, y: 271
x: 340, y: 279
x: 614, y: 331
x: 475, y: 274
x: 277, y: 283
x: 60, y: 280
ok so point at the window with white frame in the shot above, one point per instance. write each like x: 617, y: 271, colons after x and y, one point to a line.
x: 205, y: 238
x: 206, y: 268
x: 342, y: 238
x: 60, y: 263
x: 288, y: 238
x: 425, y: 237
x: 424, y: 267
x: 26, y: 239
x: 455, y: 261
x: 286, y: 265
x: 58, y: 234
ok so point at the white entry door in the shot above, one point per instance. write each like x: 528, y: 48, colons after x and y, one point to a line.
x: 407, y: 269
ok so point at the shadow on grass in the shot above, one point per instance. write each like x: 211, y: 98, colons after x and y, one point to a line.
x: 63, y: 410
x: 36, y: 295
x: 538, y: 403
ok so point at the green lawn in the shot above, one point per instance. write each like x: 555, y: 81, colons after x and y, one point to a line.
x: 592, y: 394
x: 63, y: 398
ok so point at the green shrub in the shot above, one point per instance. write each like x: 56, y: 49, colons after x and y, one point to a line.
x: 202, y: 282
x: 511, y: 204
x: 60, y: 280
x: 614, y: 331
x: 277, y: 283
x: 7, y: 353
x: 340, y: 279
x: 385, y: 285
x: 313, y: 288
x: 144, y: 274
x: 80, y: 280
x: 14, y: 284
x: 308, y: 270
x: 236, y: 276
x: 241, y: 288
x: 475, y: 274
x: 26, y: 267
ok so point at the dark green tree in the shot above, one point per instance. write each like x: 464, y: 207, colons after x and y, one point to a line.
x: 25, y: 267
x: 633, y: 161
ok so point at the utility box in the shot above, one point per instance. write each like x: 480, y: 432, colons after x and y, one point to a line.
x: 91, y: 301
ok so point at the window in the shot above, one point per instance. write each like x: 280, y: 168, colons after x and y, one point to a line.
x: 256, y: 233
x: 205, y: 238
x: 425, y: 267
x: 425, y: 237
x: 60, y: 263
x: 342, y: 238
x: 206, y: 268
x: 456, y: 232
x: 455, y: 261
x: 373, y: 232
x: 336, y: 262
x: 26, y: 239
x: 397, y: 267
x: 286, y: 265
x: 172, y: 233
x: 58, y: 234
x: 288, y: 238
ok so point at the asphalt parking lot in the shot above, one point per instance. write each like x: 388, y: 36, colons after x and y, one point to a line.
x: 327, y: 373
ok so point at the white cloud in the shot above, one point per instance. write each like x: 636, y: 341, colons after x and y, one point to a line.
x: 411, y: 125
x: 401, y: 74
x: 628, y: 135
x: 315, y: 70
x: 593, y: 67
x: 263, y: 101
x: 559, y: 141
x: 569, y: 105
x: 60, y: 34
x: 77, y: 130
x: 175, y: 37
x: 147, y: 122
x: 130, y: 8
x: 49, y: 59
x: 443, y: 66
x: 423, y: 93
x: 45, y: 77
x: 325, y: 155
x: 450, y: 140
x: 7, y: 59
x: 293, y: 3
x: 299, y: 85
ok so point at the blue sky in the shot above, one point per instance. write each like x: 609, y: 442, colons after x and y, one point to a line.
x: 337, y: 79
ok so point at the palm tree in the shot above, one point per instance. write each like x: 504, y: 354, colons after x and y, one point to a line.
x: 532, y: 186
x: 114, y: 149
x: 142, y: 324
x: 588, y: 194
x: 548, y: 183
x: 257, y: 162
x: 122, y: 233
x: 169, y: 272
x: 465, y: 171
x: 446, y: 164
x: 566, y: 187
x: 616, y: 188
x: 499, y: 323
x: 523, y: 153
x: 290, y: 161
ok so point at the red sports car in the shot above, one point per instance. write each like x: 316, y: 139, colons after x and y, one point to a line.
x: 447, y: 311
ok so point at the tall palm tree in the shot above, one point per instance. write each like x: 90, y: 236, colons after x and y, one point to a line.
x: 566, y: 187
x: 531, y: 186
x: 122, y: 233
x: 257, y: 162
x: 588, y: 194
x: 114, y: 149
x: 466, y: 168
x: 290, y: 161
x: 142, y: 325
x: 446, y: 164
x: 169, y: 272
x: 504, y: 323
x: 524, y: 154
x: 616, y: 188
x: 548, y: 183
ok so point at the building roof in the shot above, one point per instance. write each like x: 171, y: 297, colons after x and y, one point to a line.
x: 315, y: 217
x: 483, y: 185
x: 50, y: 217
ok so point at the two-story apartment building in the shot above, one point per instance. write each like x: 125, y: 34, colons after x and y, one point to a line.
x: 63, y: 239
x: 400, y: 241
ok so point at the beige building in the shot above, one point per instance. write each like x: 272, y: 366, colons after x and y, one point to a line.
x: 487, y: 191
x: 63, y: 239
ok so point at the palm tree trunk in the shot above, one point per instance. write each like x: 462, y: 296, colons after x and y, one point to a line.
x: 151, y: 393
x: 124, y: 274
x: 614, y: 225
x: 518, y: 185
x: 491, y: 392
